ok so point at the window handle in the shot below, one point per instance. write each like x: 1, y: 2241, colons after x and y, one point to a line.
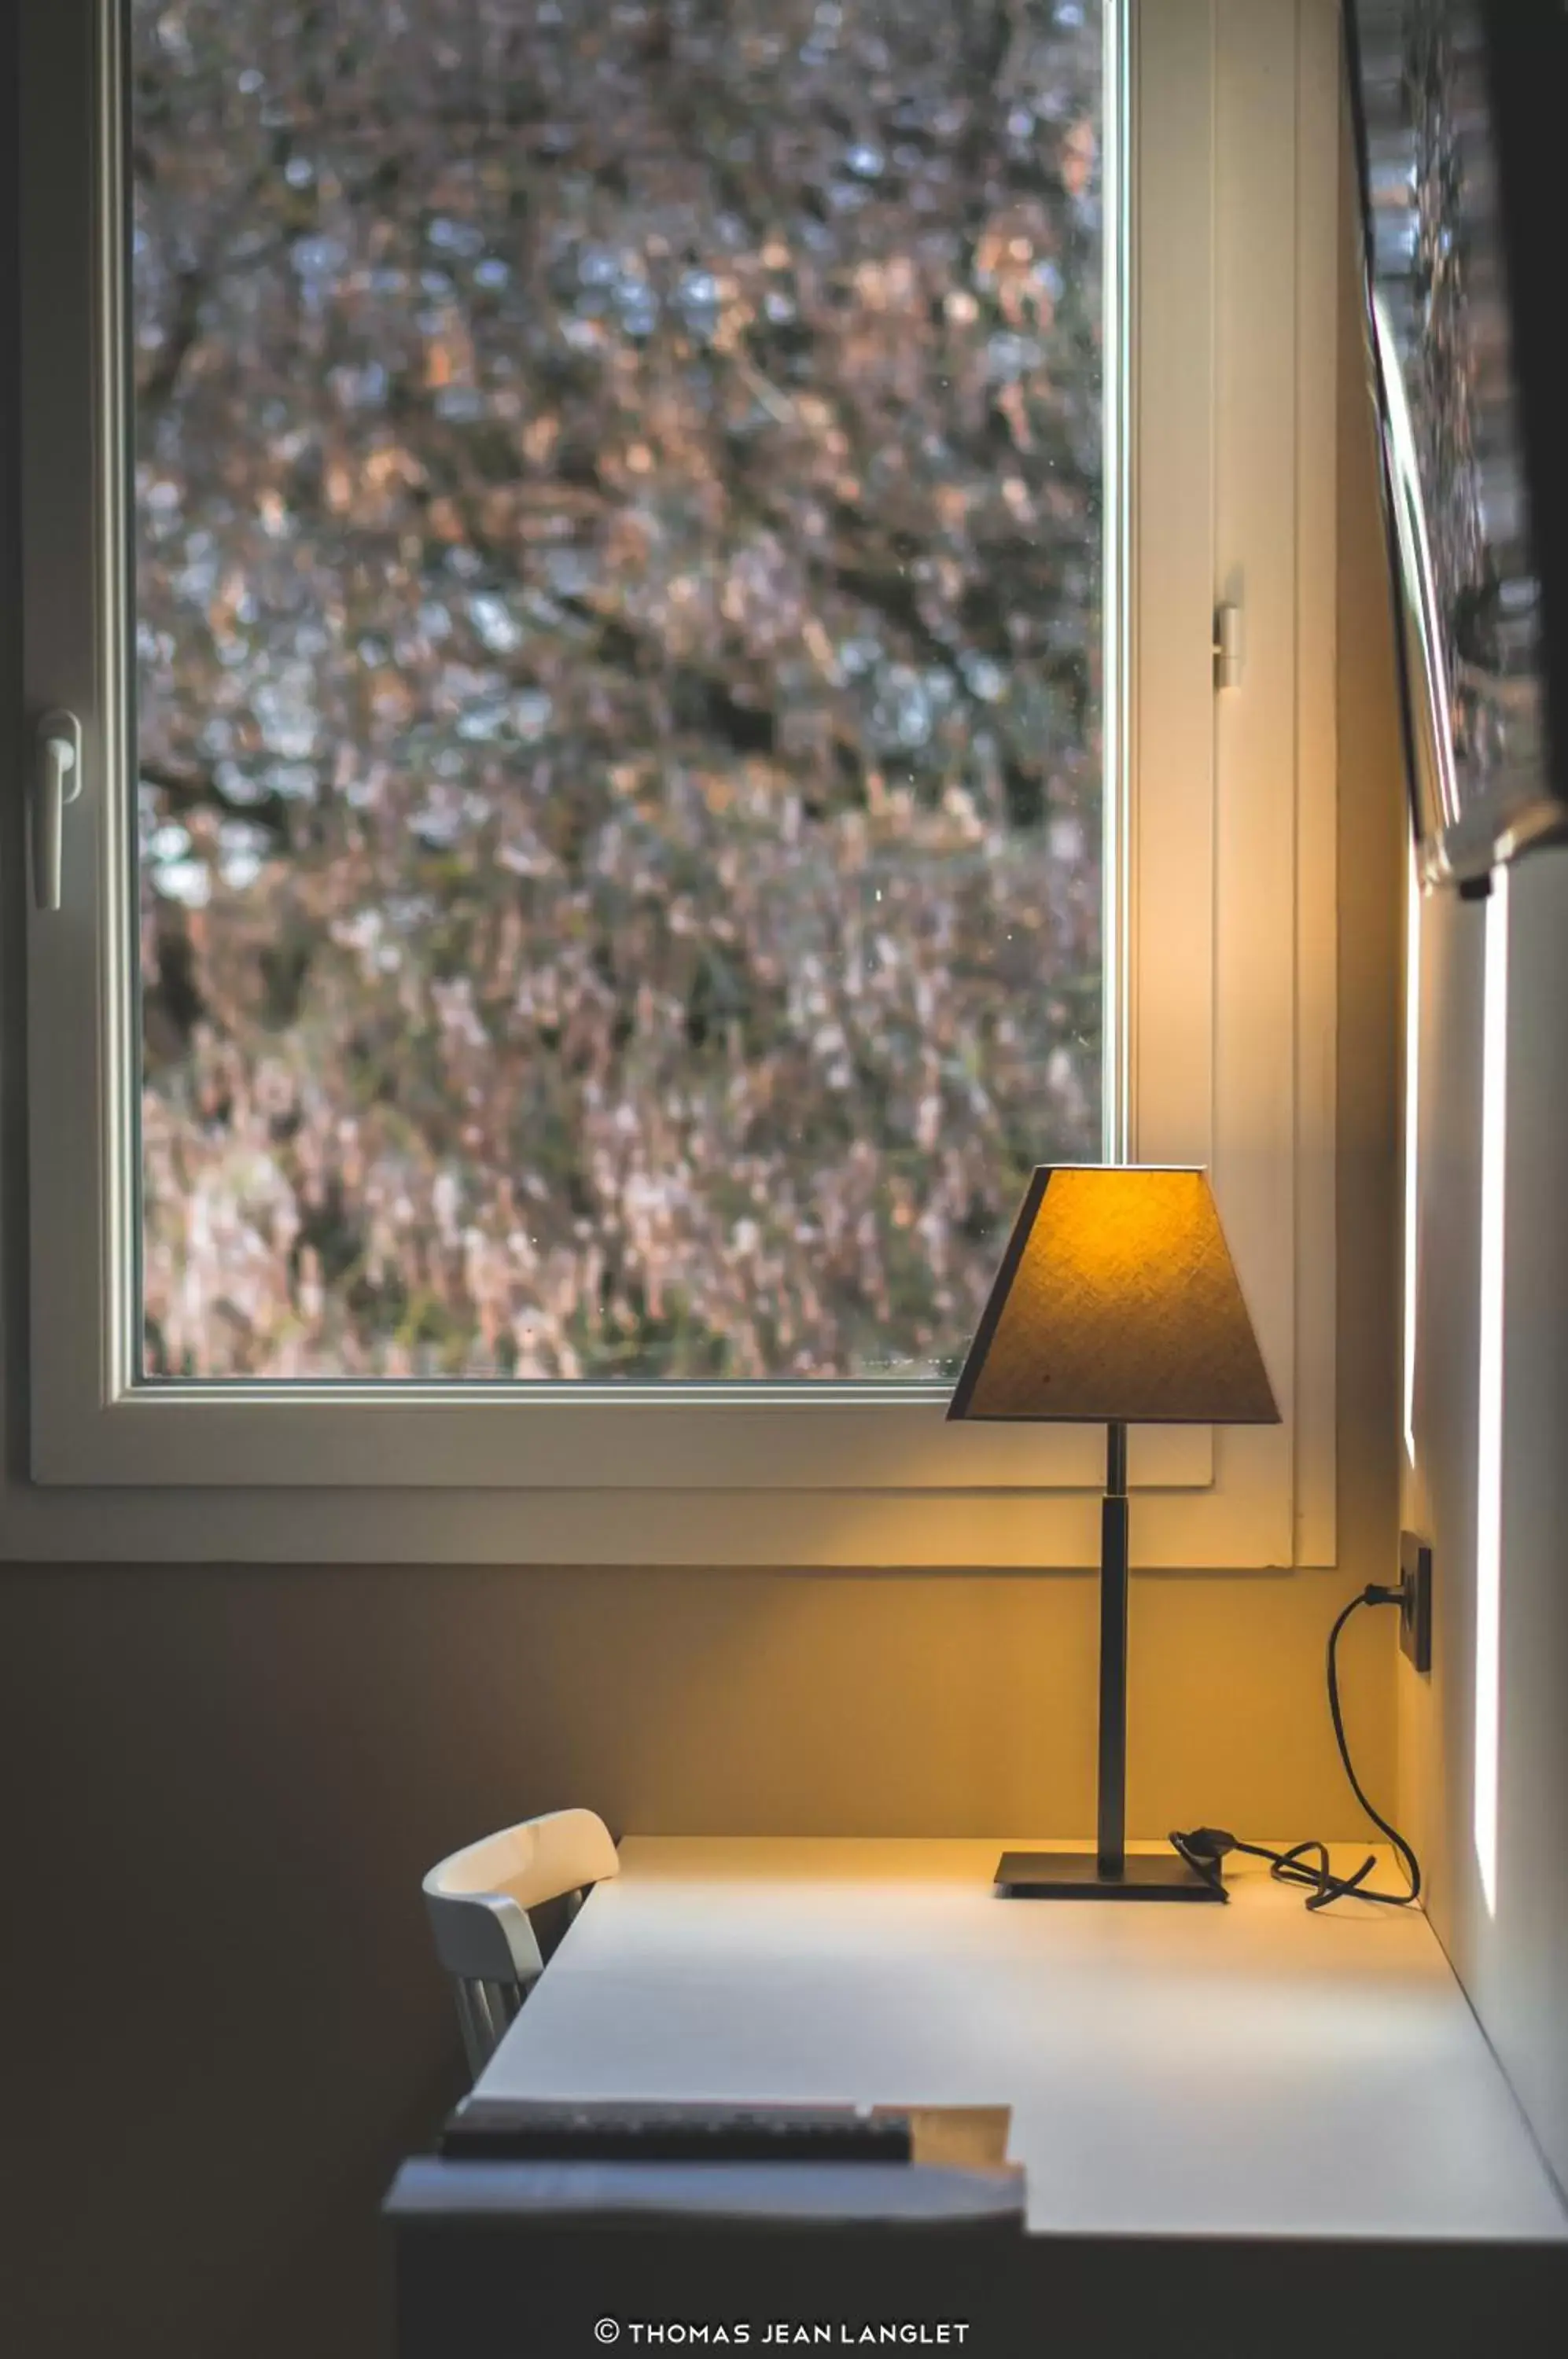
x: 1228, y: 646
x: 56, y: 780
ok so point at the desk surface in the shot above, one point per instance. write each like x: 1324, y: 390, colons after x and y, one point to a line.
x: 1240, y: 2071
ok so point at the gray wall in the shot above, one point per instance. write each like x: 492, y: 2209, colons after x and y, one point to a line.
x: 223, y: 1784
x: 1514, y: 1964
x: 1514, y: 1961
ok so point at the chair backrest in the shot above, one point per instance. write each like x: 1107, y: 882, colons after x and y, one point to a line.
x: 479, y: 1901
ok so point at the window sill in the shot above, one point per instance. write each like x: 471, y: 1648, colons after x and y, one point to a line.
x: 1243, y: 1520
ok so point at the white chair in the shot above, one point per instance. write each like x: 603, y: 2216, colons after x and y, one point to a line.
x: 479, y: 1901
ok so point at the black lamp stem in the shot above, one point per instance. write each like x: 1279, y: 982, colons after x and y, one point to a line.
x: 1109, y: 1875
x: 1112, y: 1845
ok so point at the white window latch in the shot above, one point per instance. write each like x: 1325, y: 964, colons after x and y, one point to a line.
x: 1228, y: 646
x: 56, y: 780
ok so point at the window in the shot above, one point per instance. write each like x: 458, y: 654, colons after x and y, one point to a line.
x: 638, y: 586
x: 618, y: 590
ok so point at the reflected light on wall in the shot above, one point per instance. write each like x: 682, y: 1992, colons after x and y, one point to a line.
x: 1412, y: 1114
x: 1489, y: 1413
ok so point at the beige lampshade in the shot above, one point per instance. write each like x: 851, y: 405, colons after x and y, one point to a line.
x: 1117, y: 1302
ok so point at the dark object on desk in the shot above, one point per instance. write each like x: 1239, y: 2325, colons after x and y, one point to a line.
x: 522, y: 2129
x: 1116, y: 1301
x: 848, y: 2196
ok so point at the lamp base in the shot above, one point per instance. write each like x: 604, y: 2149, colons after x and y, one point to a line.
x: 1075, y: 1875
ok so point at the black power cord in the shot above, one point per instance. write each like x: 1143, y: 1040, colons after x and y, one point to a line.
x: 1306, y: 1863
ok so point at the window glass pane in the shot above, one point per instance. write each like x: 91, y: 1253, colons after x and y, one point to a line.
x: 619, y: 523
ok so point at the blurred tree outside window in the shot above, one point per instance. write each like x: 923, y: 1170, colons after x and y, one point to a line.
x: 618, y: 560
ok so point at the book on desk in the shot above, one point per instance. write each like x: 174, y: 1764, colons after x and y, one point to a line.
x: 755, y: 2166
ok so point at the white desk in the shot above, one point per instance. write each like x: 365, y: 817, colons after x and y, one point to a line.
x: 1172, y: 2071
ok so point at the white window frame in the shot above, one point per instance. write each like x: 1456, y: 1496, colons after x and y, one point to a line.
x: 1220, y: 858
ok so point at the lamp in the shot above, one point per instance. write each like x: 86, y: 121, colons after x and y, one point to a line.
x: 1117, y: 1302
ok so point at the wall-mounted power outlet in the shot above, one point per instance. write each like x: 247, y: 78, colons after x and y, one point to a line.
x: 1415, y: 1606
